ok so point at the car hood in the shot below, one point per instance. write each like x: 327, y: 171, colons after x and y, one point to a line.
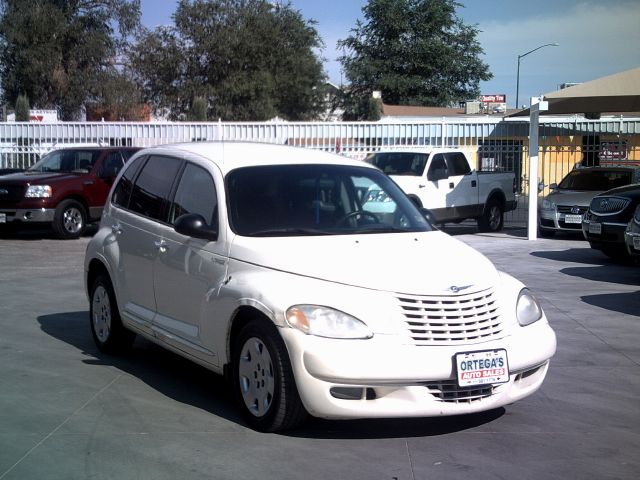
x: 423, y: 263
x: 39, y: 178
x: 572, y: 197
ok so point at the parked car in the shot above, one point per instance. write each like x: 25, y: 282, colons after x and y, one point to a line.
x: 277, y: 266
x: 563, y: 208
x: 632, y: 234
x: 8, y: 170
x: 66, y: 189
x: 609, y: 214
x: 443, y: 181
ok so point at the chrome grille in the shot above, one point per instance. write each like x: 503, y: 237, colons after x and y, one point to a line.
x: 449, y: 391
x: 451, y: 319
x: 608, y: 205
x: 571, y: 210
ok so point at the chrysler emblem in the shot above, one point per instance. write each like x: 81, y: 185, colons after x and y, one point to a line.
x: 4, y: 191
x: 456, y: 289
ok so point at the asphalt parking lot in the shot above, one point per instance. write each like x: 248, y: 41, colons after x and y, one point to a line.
x: 70, y: 412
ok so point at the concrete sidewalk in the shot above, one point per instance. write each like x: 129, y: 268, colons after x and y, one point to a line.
x: 70, y: 412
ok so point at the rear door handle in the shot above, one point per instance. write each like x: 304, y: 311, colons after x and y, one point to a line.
x: 450, y: 184
x: 474, y: 183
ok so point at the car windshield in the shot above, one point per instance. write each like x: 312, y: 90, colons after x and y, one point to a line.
x: 295, y: 200
x: 595, y: 180
x: 399, y: 163
x: 66, y: 161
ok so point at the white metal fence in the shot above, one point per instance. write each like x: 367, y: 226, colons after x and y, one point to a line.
x: 492, y: 143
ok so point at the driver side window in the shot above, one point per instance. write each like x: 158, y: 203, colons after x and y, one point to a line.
x: 196, y: 193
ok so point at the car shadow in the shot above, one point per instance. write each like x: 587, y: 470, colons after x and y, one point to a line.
x: 609, y: 272
x: 585, y: 255
x: 191, y: 384
x: 627, y: 303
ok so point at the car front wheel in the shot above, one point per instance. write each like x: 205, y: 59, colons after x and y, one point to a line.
x: 69, y: 219
x: 492, y: 218
x: 263, y: 379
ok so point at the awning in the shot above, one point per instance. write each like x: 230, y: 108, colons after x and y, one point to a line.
x: 616, y: 93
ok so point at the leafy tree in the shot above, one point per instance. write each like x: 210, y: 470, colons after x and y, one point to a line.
x: 248, y: 59
x: 59, y: 51
x: 198, y: 112
x: 417, y: 52
x: 22, y: 108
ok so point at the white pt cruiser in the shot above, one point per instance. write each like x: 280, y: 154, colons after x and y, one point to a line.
x: 312, y: 282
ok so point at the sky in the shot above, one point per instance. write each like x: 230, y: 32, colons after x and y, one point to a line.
x: 595, y: 38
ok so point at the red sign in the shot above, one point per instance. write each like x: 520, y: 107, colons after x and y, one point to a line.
x: 493, y: 98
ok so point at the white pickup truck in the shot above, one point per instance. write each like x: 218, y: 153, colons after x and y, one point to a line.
x: 443, y: 181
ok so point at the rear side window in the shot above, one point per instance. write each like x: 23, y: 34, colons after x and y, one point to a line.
x: 122, y: 192
x: 457, y: 164
x: 153, y: 185
x: 196, y: 193
x: 438, y: 165
x: 399, y: 163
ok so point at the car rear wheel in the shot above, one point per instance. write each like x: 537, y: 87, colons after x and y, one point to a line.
x: 69, y: 220
x: 492, y: 218
x: 263, y: 379
x: 108, y: 332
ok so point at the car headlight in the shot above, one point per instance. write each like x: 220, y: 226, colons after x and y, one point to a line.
x: 326, y: 322
x: 38, y: 191
x: 547, y: 205
x: 528, y: 309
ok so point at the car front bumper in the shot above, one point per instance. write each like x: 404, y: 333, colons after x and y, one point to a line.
x: 554, y: 220
x: 27, y: 215
x: 410, y: 381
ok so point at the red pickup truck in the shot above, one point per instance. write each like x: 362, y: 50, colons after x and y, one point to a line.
x: 66, y: 188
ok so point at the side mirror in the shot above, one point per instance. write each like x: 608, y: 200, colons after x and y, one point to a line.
x: 428, y: 215
x: 553, y: 186
x: 438, y: 174
x: 194, y: 225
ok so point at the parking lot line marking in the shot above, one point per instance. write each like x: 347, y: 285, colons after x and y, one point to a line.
x: 52, y: 432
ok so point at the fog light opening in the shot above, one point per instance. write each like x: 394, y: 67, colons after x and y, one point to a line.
x: 353, y: 393
x: 28, y: 216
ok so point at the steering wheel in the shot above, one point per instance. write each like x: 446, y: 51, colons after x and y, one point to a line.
x: 357, y: 213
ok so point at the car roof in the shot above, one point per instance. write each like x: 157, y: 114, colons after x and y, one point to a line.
x: 611, y: 168
x: 229, y: 155
x: 418, y: 149
x: 631, y: 191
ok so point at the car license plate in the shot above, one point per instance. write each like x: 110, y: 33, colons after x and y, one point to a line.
x: 636, y: 243
x: 481, y: 368
x: 595, y: 227
x: 3, y: 218
x: 573, y: 218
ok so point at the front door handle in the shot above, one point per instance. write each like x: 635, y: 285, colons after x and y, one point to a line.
x: 474, y: 183
x: 161, y: 246
x: 450, y: 184
x: 116, y: 229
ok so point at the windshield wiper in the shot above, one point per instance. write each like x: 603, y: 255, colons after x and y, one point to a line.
x: 382, y: 229
x: 286, y: 232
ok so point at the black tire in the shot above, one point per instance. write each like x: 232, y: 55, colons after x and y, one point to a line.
x: 69, y: 219
x: 492, y: 219
x: 263, y: 380
x: 108, y: 332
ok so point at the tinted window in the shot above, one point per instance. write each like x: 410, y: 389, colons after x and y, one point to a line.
x: 123, y: 189
x: 437, y: 166
x: 287, y: 200
x: 112, y: 164
x: 457, y: 163
x: 77, y: 161
x: 196, y: 193
x: 153, y: 186
x: 595, y: 180
x: 399, y: 163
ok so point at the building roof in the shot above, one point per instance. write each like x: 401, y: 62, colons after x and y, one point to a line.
x: 416, y: 111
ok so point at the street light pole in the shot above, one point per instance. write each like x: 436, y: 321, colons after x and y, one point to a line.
x: 524, y: 55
